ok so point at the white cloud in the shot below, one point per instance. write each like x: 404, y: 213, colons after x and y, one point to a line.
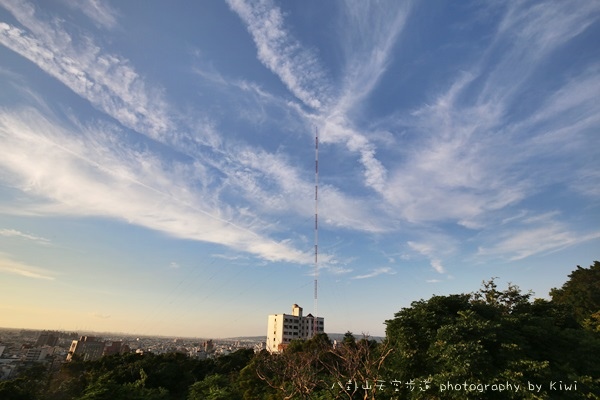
x: 470, y: 160
x: 297, y: 67
x: 302, y: 73
x: 533, y: 235
x: 472, y: 157
x: 376, y: 272
x: 10, y: 266
x: 336, y: 269
x: 274, y: 186
x: 19, y: 234
x: 370, y: 32
x: 101, y: 13
x: 94, y: 178
x: 108, y: 81
x: 429, y: 250
x: 113, y: 86
x: 337, y: 128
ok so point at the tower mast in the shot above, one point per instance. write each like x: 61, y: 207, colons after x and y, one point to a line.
x: 316, y: 299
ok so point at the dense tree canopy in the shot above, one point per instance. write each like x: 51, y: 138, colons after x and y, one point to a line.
x: 582, y: 293
x: 492, y: 337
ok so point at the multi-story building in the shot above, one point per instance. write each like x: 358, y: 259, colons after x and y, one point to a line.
x: 209, y: 346
x: 38, y: 353
x: 115, y: 347
x: 283, y: 328
x: 89, y: 347
x: 47, y: 338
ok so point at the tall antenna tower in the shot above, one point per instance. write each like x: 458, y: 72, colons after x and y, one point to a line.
x: 316, y: 305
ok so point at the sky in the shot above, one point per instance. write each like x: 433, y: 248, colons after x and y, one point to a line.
x: 157, y: 159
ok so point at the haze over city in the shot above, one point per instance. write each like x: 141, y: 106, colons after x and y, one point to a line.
x: 157, y: 159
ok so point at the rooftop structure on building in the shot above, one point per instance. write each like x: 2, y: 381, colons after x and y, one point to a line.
x: 283, y: 328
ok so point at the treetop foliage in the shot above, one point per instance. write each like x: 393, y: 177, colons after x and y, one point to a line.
x: 582, y: 293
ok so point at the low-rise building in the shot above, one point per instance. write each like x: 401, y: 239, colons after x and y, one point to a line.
x: 38, y: 353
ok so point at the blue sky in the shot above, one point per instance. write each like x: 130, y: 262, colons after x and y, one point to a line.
x: 157, y: 159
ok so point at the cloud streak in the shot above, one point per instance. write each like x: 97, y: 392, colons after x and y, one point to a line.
x: 429, y: 251
x: 466, y: 156
x: 108, y: 81
x: 90, y: 179
x: 13, y: 267
x: 99, y: 12
x: 19, y: 234
x: 534, y: 235
x: 113, y: 86
x: 472, y: 142
x: 297, y: 67
x: 376, y: 272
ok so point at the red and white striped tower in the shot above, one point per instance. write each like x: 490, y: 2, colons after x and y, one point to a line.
x: 316, y: 305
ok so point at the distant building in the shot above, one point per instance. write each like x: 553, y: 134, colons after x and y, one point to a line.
x: 89, y: 347
x: 283, y: 328
x: 115, y: 347
x: 38, y: 353
x: 47, y: 338
x: 209, y: 346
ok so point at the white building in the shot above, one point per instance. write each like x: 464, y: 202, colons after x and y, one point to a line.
x: 283, y: 328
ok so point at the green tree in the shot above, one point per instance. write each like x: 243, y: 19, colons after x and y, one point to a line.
x: 582, y: 293
x: 106, y: 388
x: 213, y: 387
x: 488, y: 337
x: 251, y: 385
x: 16, y: 389
x: 31, y: 383
x: 349, y: 339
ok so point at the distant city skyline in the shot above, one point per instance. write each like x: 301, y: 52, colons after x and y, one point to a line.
x: 157, y: 159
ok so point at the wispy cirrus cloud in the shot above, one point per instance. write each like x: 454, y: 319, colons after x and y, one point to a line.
x: 376, y: 272
x: 473, y: 141
x: 533, y: 235
x: 101, y: 13
x: 472, y: 156
x: 373, y: 34
x: 108, y: 81
x: 429, y: 250
x: 275, y: 186
x: 458, y: 170
x: 297, y: 67
x: 113, y: 86
x: 370, y: 34
x: 92, y: 178
x: 13, y: 267
x: 16, y: 233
